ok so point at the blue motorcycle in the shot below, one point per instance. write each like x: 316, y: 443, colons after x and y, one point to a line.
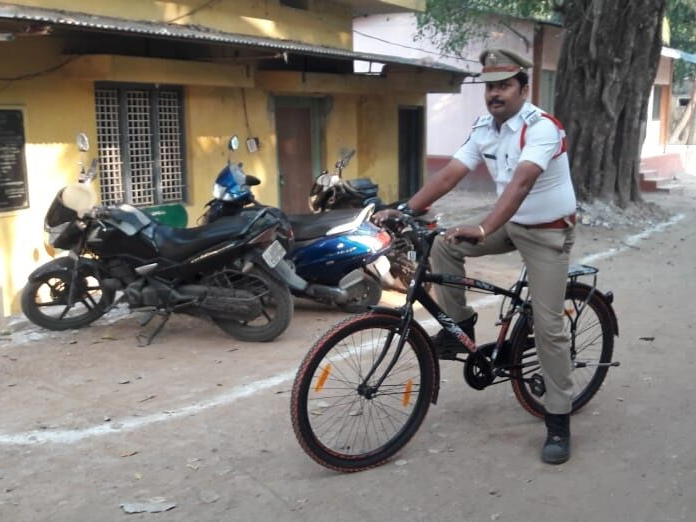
x: 335, y: 257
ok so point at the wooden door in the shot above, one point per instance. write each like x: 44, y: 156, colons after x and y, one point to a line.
x: 295, y: 160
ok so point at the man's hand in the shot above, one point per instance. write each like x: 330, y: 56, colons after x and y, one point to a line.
x: 380, y: 217
x: 463, y: 233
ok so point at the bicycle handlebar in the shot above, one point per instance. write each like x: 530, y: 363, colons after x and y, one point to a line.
x: 422, y: 230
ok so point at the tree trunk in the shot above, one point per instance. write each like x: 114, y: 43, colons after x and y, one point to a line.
x: 607, y: 67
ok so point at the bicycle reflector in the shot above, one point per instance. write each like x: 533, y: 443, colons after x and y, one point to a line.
x: 322, y: 378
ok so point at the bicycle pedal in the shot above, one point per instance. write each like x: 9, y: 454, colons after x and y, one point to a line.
x: 536, y: 384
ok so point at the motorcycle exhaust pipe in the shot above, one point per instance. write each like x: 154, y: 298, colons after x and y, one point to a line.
x: 327, y: 293
x: 294, y: 281
x: 342, y: 293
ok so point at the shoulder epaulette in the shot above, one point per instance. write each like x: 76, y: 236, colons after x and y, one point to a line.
x: 482, y: 121
x: 532, y: 116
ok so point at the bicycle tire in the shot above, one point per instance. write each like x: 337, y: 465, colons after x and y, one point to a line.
x: 596, y: 326
x: 338, y: 353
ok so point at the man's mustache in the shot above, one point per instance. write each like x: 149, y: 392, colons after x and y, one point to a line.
x: 495, y: 100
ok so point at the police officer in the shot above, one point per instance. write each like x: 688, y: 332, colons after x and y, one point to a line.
x: 524, y: 151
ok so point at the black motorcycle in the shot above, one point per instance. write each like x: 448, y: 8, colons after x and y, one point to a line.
x: 225, y: 270
x: 332, y: 191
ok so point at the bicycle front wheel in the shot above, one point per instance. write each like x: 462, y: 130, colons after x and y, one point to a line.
x: 346, y: 424
x: 591, y: 333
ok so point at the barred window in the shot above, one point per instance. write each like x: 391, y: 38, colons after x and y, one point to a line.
x: 141, y: 144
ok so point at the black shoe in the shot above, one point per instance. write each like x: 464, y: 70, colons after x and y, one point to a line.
x: 447, y: 345
x: 557, y: 446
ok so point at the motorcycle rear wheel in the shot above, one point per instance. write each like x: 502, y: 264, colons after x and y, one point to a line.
x: 45, y: 300
x: 277, y: 308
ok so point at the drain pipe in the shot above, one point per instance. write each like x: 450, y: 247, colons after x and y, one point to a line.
x: 3, y: 319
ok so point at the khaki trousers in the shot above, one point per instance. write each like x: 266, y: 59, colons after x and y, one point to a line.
x: 545, y: 252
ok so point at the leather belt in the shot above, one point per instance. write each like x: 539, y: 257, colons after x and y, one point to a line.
x: 561, y: 223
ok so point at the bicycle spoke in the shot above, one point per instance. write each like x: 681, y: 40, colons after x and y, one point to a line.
x: 347, y: 422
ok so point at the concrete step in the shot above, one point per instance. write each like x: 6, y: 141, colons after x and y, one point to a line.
x: 670, y: 188
x: 666, y: 165
x: 651, y: 180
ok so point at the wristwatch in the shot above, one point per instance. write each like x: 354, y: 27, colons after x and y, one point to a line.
x: 404, y: 208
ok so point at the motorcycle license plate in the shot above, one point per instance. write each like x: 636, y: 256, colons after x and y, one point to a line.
x: 382, y: 265
x: 273, y: 254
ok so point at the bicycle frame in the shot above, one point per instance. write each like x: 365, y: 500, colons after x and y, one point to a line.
x: 517, y: 304
x: 417, y: 294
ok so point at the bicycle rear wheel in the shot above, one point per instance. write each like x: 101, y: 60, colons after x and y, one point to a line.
x: 336, y: 422
x: 589, y: 327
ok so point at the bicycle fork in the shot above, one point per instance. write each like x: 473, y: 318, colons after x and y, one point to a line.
x: 369, y: 392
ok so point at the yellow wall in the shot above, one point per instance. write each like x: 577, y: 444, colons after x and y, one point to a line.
x: 60, y: 104
x: 326, y: 23
x: 55, y: 110
x: 378, y: 129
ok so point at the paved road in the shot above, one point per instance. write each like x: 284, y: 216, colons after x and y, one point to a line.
x: 91, y: 421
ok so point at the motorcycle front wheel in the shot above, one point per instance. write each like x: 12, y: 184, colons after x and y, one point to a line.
x: 276, y: 305
x: 47, y: 301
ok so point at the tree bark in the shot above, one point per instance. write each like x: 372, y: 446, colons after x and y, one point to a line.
x: 607, y: 67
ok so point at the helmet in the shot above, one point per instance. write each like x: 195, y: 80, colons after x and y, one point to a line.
x: 231, y: 185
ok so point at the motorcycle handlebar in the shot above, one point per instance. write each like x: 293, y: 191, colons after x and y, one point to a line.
x: 101, y: 213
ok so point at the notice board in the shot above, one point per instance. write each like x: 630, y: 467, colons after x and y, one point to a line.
x: 13, y: 171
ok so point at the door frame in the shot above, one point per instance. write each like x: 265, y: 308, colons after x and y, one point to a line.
x: 316, y: 106
x: 420, y: 175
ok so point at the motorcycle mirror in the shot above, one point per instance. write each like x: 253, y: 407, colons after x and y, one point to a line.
x: 234, y: 143
x: 82, y: 142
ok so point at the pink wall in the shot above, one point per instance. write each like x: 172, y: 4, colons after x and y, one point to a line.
x: 449, y: 116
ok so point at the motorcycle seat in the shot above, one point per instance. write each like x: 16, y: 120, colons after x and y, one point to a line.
x: 180, y: 243
x: 312, y: 226
x: 364, y: 186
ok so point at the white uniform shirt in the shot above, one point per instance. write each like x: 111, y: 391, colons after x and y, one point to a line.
x: 552, y: 195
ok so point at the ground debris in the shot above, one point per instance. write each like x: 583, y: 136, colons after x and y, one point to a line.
x: 153, y: 505
x: 607, y: 215
x: 208, y: 497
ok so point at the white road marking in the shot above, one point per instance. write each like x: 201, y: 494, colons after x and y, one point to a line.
x: 64, y: 436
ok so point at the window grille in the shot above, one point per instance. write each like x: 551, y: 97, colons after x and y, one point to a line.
x: 108, y: 146
x: 140, y: 141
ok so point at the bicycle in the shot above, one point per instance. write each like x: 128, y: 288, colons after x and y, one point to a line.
x: 364, y: 388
